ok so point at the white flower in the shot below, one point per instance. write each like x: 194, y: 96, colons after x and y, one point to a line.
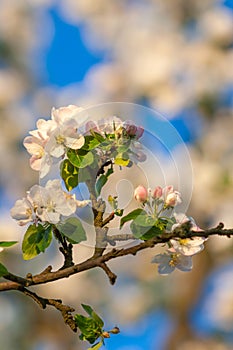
x: 52, y: 137
x: 35, y: 144
x: 50, y: 202
x: 23, y: 211
x: 171, y: 197
x: 35, y: 147
x: 45, y: 204
x: 62, y: 138
x: 44, y: 128
x: 188, y: 246
x: 171, y: 260
x: 68, y: 114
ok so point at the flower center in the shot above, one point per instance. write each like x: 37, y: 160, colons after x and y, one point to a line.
x: 184, y: 241
x: 60, y: 139
x: 174, y: 260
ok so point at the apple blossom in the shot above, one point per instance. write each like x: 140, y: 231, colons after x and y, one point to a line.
x: 61, y: 138
x: 141, y: 194
x: 171, y: 260
x: 46, y: 204
x: 23, y: 211
x: 171, y: 197
x: 188, y: 246
x: 67, y: 114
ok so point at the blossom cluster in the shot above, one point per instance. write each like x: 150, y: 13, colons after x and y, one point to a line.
x: 179, y: 250
x: 115, y: 125
x: 47, y: 204
x: 65, y: 130
x: 49, y: 141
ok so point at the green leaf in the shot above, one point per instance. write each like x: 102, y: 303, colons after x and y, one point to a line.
x: 131, y: 216
x: 80, y: 158
x: 7, y: 244
x: 69, y: 174
x: 90, y: 142
x: 100, y: 183
x: 145, y: 220
x: 92, y: 313
x: 88, y: 309
x: 96, y: 346
x: 73, y: 229
x: 144, y: 232
x: 36, y: 240
x: 98, y: 136
x: 91, y: 327
x: 122, y: 148
x: 102, y: 179
x: 3, y: 270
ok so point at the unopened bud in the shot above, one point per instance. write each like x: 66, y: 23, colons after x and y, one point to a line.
x: 115, y: 330
x: 139, y: 132
x: 141, y: 194
x: 106, y: 334
x: 157, y: 192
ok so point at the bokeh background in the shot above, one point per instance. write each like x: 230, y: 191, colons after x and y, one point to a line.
x: 173, y: 56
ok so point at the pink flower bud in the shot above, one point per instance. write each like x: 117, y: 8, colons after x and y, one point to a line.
x: 139, y: 132
x: 131, y: 129
x: 157, y: 192
x: 140, y: 194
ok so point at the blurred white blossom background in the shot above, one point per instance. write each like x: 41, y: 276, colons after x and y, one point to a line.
x: 175, y: 57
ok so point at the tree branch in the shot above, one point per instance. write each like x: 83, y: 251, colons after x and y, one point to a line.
x: 66, y: 249
x: 57, y: 303
x: 50, y: 276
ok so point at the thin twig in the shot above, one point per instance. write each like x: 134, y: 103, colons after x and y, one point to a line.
x: 112, y: 276
x: 57, y: 303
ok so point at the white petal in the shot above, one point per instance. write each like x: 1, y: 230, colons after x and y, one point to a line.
x: 74, y: 143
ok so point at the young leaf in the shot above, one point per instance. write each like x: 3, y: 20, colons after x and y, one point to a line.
x: 88, y: 309
x: 73, y: 229
x: 3, y: 270
x: 131, y: 216
x: 121, y: 161
x: 92, y: 313
x: 91, y: 327
x: 36, y: 240
x: 7, y: 244
x: 80, y: 158
x: 90, y: 142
